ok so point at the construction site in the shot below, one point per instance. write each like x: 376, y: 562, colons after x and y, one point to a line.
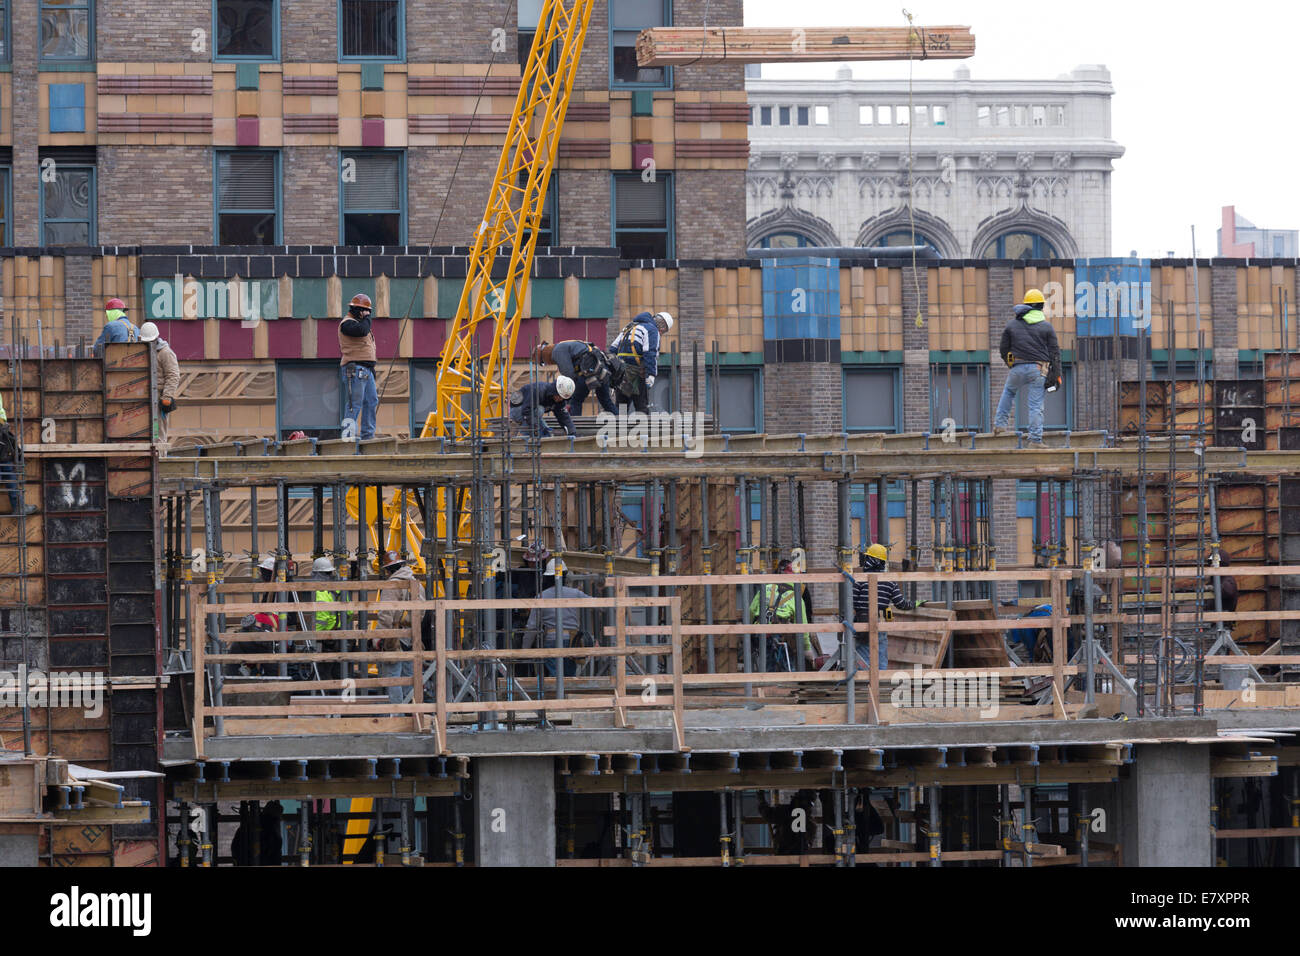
x: 665, y: 638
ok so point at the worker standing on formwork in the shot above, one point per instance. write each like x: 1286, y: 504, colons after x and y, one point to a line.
x: 587, y: 365
x: 1030, y: 349
x: 117, y: 327
x: 322, y: 570
x: 785, y: 605
x: 10, y: 456
x: 875, y: 560
x: 529, y: 405
x: 357, y: 361
x: 169, y: 376
x: 398, y: 569
x: 543, y: 622
x: 637, y: 348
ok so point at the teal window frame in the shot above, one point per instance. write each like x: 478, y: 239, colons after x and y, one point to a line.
x: 92, y: 232
x: 400, y: 56
x: 57, y: 62
x: 216, y: 193
x: 6, y: 24
x: 616, y: 84
x: 281, y: 366
x: 755, y: 373
x: 921, y: 238
x: 402, y: 204
x: 801, y: 242
x: 1042, y: 248
x: 670, y: 202
x: 274, y: 57
x: 895, y: 373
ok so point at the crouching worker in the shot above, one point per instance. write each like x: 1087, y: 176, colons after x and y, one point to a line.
x: 398, y: 569
x: 529, y: 405
x: 587, y: 365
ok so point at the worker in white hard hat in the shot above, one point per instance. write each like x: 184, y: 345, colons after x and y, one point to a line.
x: 635, y: 352
x: 554, y: 627
x: 398, y: 569
x: 169, y: 376
x: 529, y: 405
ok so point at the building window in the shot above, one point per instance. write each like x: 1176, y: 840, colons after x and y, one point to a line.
x: 248, y: 197
x: 984, y: 116
x: 1039, y: 116
x: 900, y: 115
x: 67, y: 30
x: 921, y: 115
x: 866, y: 115
x: 884, y: 115
x: 643, y: 226
x: 424, y: 394
x: 1020, y: 245
x: 67, y: 107
x: 372, y: 29
x: 1058, y: 406
x: 821, y: 116
x: 308, y: 398
x: 802, y: 116
x: 765, y: 116
x: 871, y: 400
x: 1004, y: 116
x: 374, y: 192
x: 246, y: 29
x: 4, y: 31
x: 5, y: 232
x: 1018, y: 115
x: 904, y: 237
x: 940, y: 115
x: 957, y: 397
x: 784, y: 114
x: 68, y: 206
x: 785, y: 240
x: 1058, y: 115
x: 738, y: 406
x: 663, y: 394
x: 627, y: 18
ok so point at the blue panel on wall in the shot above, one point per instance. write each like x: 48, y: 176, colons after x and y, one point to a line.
x: 801, y: 298
x: 1108, y: 293
x: 67, y: 107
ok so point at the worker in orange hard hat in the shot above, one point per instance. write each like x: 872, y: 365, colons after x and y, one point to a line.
x: 117, y: 327
x: 357, y: 360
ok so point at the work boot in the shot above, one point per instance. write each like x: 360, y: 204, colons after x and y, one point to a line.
x: 1035, y: 443
x: 1001, y: 430
x: 29, y: 510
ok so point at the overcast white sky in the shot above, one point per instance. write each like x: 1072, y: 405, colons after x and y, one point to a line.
x: 1205, y: 95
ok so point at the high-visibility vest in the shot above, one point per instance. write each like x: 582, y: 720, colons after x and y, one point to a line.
x: 326, y: 620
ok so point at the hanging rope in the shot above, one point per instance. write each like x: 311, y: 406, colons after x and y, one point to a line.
x: 913, y: 36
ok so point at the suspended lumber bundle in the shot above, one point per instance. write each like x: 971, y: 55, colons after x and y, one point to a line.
x: 671, y: 46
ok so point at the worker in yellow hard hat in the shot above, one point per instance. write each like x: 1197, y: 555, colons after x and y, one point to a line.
x: 889, y: 595
x: 1030, y: 349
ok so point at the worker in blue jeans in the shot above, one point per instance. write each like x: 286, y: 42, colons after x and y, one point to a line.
x: 1031, y: 351
x: 357, y: 360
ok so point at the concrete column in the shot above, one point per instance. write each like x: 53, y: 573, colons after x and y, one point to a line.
x: 1164, y: 806
x: 514, y: 800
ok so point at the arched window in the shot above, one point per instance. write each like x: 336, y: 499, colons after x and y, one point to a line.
x: 1020, y: 245
x: 785, y: 240
x: 903, y: 237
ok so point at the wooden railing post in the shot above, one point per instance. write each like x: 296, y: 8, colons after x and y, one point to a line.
x: 1059, y: 613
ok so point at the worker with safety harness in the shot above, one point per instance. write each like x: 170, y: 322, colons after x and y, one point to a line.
x: 1030, y: 349
x: 634, y: 359
x: 587, y: 365
x: 785, y: 605
x: 322, y: 570
x: 875, y: 560
x: 529, y: 405
x: 117, y: 327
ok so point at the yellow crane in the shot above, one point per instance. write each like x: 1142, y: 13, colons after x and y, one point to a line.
x: 507, y: 232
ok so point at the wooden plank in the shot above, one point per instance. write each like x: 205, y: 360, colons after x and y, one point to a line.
x: 668, y: 46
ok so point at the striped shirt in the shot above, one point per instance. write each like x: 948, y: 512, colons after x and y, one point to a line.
x: 888, y: 594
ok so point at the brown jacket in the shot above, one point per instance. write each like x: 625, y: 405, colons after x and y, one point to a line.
x: 356, y: 348
x: 169, y: 371
x: 391, y: 620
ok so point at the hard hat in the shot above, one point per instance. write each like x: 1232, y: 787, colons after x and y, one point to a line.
x: 322, y: 564
x: 361, y: 301
x: 878, y: 552
x: 148, y: 332
x: 550, y: 569
x: 267, y: 563
x: 392, y: 560
x: 564, y: 385
x: 665, y: 321
x: 114, y: 304
x: 1034, y: 297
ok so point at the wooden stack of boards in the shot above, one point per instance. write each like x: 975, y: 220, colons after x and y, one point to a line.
x: 671, y: 46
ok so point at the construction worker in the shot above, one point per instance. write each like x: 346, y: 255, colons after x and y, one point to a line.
x: 10, y: 455
x: 587, y: 365
x: 322, y: 570
x: 357, y: 361
x: 543, y: 622
x: 785, y: 605
x: 1030, y: 349
x: 398, y: 569
x: 637, y: 348
x: 117, y: 327
x: 529, y: 405
x: 875, y: 560
x: 169, y: 376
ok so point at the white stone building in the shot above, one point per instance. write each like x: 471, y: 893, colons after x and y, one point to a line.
x: 1002, y: 168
